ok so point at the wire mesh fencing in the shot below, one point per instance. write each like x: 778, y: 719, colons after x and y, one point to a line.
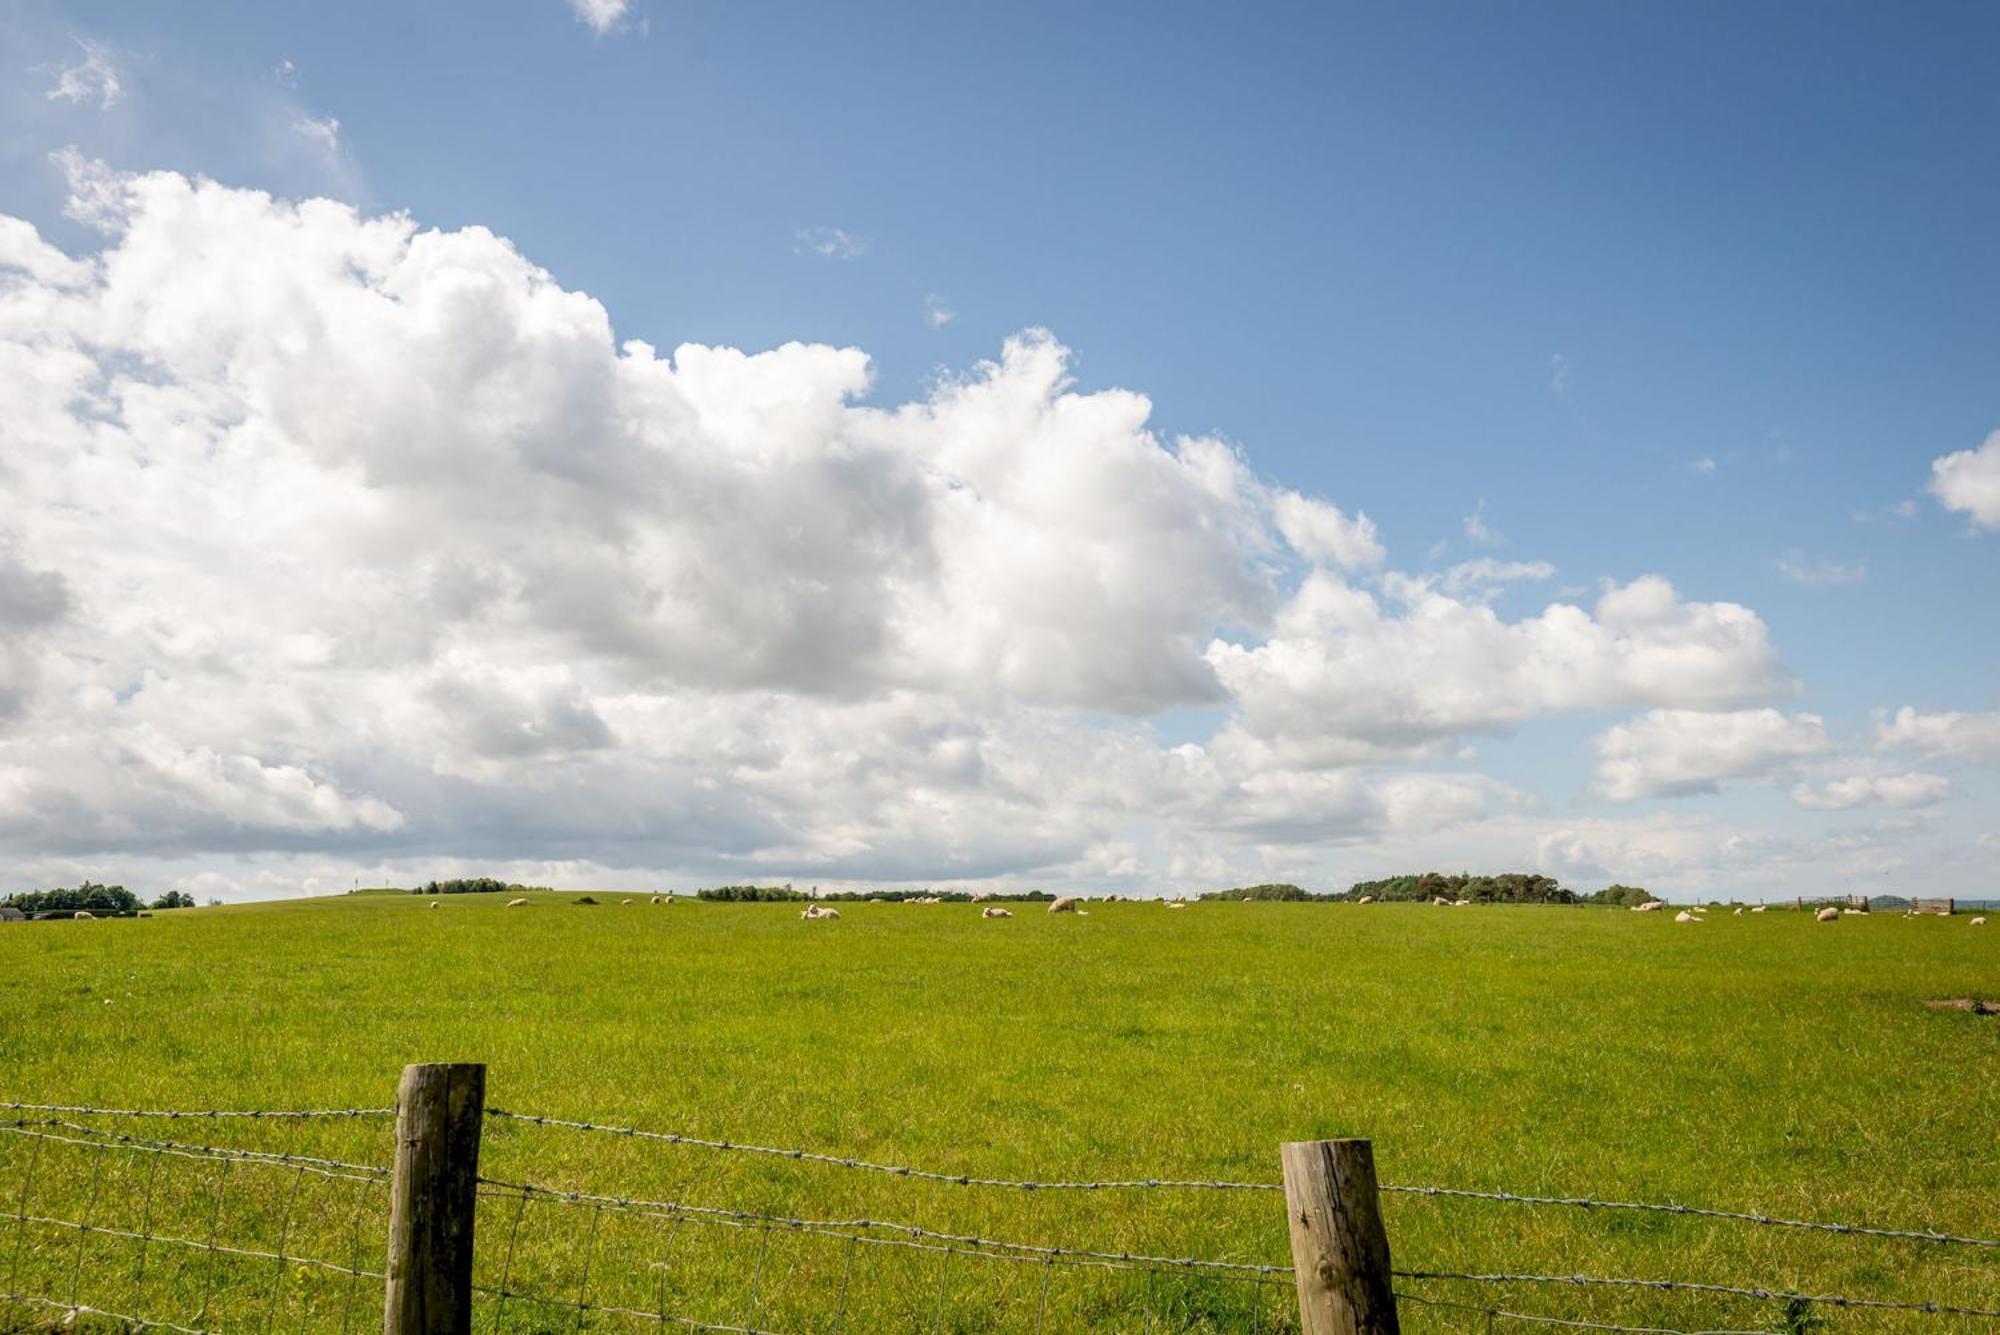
x: 222, y: 1220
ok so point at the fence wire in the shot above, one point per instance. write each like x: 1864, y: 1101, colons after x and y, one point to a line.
x: 72, y: 1310
x: 893, y: 1170
x: 1736, y: 1216
x: 193, y: 1114
x: 91, y: 1137
x: 1695, y: 1286
x: 871, y: 1231
x: 1572, y: 1323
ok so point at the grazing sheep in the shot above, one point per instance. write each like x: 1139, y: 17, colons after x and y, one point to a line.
x: 1650, y: 906
x: 1855, y: 913
x: 84, y: 914
x: 1175, y: 904
x: 517, y: 903
x: 1067, y: 904
x: 994, y: 911
x: 1440, y: 899
x: 1736, y: 912
x: 1827, y: 914
x: 1685, y: 916
x: 1759, y: 908
x: 816, y: 912
x: 1460, y: 903
x: 1365, y: 899
x: 1979, y: 922
x: 981, y: 896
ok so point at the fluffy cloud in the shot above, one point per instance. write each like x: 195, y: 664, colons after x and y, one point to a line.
x: 1969, y: 482
x: 1947, y: 735
x: 1873, y: 790
x: 1320, y: 532
x: 1345, y: 679
x: 601, y: 16
x: 332, y: 534
x: 1677, y: 752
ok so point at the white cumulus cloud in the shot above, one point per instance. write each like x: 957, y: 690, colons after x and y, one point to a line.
x: 1871, y: 790
x: 1678, y: 752
x: 416, y: 558
x: 1968, y: 481
x: 601, y: 16
x: 1944, y: 735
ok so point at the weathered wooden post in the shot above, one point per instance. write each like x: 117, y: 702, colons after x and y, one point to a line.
x: 432, y: 1198
x: 1340, y: 1253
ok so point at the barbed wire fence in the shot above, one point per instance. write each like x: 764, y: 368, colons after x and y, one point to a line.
x: 110, y: 1227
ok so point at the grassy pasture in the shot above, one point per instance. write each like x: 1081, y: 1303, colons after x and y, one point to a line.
x: 1763, y: 1063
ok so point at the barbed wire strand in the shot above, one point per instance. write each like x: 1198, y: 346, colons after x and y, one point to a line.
x: 1693, y: 1286
x: 1569, y: 1322
x: 79, y: 1309
x: 1738, y: 1216
x: 686, y: 1323
x: 893, y: 1170
x: 1196, y: 1184
x: 90, y: 1137
x: 273, y: 1114
x: 841, y: 1227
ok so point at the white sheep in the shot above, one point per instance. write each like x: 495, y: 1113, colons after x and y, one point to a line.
x: 624, y: 901
x: 1440, y: 899
x: 1365, y: 899
x: 1175, y: 904
x: 1737, y: 912
x: 1685, y: 916
x: 517, y: 903
x: 1855, y: 913
x: 84, y: 914
x: 981, y: 896
x: 1067, y: 904
x: 656, y: 899
x: 1979, y: 922
x: 816, y: 912
x: 1827, y: 914
x: 1759, y: 908
x: 1460, y: 903
x: 994, y: 911
x: 1650, y: 906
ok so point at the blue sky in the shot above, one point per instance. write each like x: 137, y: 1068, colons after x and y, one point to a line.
x: 1701, y: 291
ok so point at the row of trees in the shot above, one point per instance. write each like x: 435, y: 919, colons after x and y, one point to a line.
x: 90, y: 897
x: 474, y: 885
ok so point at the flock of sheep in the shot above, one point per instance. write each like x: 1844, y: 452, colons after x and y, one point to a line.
x: 1069, y: 904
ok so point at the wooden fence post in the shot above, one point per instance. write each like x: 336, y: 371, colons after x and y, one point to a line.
x: 439, y: 1108
x: 1340, y: 1253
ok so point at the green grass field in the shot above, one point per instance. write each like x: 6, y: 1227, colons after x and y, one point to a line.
x: 1762, y: 1063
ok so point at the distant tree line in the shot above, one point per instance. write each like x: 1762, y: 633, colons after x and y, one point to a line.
x: 1507, y: 888
x: 90, y: 897
x: 474, y: 885
x: 1280, y: 891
